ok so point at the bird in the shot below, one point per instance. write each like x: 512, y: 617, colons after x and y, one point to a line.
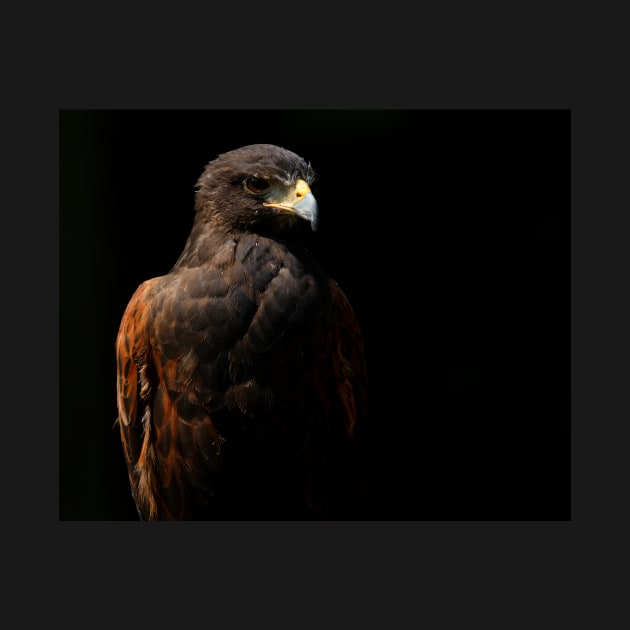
x: 241, y: 374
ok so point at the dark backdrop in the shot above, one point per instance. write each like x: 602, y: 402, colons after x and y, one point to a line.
x: 448, y: 230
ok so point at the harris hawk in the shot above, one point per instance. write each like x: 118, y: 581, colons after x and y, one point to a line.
x: 241, y: 374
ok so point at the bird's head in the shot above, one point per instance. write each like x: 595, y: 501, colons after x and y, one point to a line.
x: 257, y: 185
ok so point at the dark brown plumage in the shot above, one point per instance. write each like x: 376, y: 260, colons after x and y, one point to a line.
x: 241, y: 375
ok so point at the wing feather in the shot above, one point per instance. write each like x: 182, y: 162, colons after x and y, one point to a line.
x: 170, y: 444
x: 350, y: 363
x: 133, y: 387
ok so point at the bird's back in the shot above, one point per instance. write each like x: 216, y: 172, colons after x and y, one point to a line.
x: 242, y: 400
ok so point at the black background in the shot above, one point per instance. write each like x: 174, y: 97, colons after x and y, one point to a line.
x: 448, y: 230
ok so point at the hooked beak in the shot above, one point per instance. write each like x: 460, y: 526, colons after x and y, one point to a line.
x: 298, y: 201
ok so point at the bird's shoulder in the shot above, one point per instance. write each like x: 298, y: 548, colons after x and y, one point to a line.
x: 252, y: 287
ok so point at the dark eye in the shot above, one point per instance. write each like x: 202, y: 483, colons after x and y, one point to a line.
x: 256, y: 184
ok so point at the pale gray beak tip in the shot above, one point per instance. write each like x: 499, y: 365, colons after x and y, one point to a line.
x: 307, y: 209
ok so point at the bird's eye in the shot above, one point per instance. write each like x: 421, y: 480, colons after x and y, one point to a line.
x: 256, y: 184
